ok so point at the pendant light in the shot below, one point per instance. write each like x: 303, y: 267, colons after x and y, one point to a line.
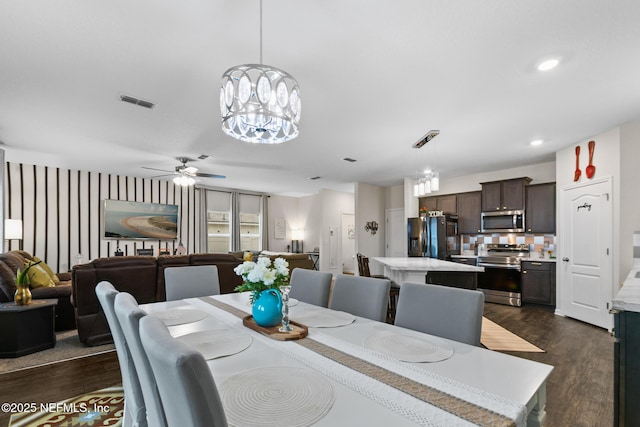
x: 260, y: 103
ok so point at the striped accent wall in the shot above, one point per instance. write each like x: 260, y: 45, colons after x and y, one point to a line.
x: 61, y: 210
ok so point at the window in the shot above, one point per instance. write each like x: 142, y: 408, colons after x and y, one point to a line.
x: 234, y: 221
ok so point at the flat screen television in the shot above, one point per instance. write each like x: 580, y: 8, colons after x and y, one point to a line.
x: 138, y: 220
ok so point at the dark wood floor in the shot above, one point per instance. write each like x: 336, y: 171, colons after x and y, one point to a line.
x: 580, y: 388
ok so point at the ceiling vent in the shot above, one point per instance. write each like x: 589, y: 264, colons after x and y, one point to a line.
x: 428, y: 137
x: 313, y: 178
x: 349, y: 159
x: 137, y: 101
x: 203, y: 156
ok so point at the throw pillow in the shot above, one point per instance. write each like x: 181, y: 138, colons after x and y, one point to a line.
x: 48, y: 269
x: 38, y: 277
x: 247, y: 256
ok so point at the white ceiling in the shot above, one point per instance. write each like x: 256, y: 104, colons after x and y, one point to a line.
x: 375, y: 76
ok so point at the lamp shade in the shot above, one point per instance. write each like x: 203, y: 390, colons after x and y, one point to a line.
x: 13, y: 229
x: 297, y: 234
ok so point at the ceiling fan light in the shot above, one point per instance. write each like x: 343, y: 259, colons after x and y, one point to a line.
x: 184, y: 180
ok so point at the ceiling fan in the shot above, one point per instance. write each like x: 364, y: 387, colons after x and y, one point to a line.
x: 184, y: 170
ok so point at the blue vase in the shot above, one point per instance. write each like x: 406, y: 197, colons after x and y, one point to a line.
x: 267, y: 308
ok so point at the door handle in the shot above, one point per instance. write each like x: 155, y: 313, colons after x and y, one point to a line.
x: 565, y: 259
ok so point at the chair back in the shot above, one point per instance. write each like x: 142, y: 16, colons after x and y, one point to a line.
x: 187, y: 389
x: 361, y: 296
x: 447, y: 312
x: 135, y: 412
x: 311, y: 286
x: 129, y: 314
x: 191, y: 281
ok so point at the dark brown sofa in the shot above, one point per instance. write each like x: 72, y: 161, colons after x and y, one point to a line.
x: 142, y: 277
x: 9, y: 264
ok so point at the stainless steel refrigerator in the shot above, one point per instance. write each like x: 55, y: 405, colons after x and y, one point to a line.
x: 433, y: 237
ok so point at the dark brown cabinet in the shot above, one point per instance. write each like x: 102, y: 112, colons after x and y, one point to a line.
x: 469, y: 209
x: 539, y: 282
x: 626, y: 368
x: 504, y: 195
x: 540, y: 214
x: 447, y: 204
x: 467, y: 261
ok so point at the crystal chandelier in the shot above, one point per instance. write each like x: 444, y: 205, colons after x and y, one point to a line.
x: 260, y: 103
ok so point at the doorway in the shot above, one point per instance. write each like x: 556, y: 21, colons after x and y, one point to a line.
x: 586, y: 262
x: 348, y: 243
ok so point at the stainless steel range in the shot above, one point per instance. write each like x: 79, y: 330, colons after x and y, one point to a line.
x: 501, y: 281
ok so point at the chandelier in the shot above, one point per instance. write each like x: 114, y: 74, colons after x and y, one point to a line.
x: 427, y: 184
x: 260, y: 103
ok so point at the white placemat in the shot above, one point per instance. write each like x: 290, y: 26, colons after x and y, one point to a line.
x: 409, y: 349
x: 179, y: 316
x: 320, y: 318
x: 217, y: 342
x: 293, y: 302
x: 276, y: 396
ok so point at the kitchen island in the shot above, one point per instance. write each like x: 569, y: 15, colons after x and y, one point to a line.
x: 415, y: 269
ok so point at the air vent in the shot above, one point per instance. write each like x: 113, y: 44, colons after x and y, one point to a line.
x: 203, y: 156
x: 428, y: 137
x: 137, y: 101
x: 313, y: 178
x: 349, y: 159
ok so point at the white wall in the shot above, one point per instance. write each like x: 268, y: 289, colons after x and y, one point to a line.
x: 334, y: 204
x: 370, y: 206
x: 629, y: 192
x: 394, y: 197
x: 287, y: 208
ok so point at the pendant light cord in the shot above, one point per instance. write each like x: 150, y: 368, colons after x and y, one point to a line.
x: 260, y: 32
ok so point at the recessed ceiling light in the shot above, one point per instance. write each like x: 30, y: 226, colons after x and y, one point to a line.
x: 548, y: 64
x: 536, y: 142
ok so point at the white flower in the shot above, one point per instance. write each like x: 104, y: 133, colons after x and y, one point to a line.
x: 281, y: 265
x: 244, y: 268
x: 264, y: 261
x: 269, y: 277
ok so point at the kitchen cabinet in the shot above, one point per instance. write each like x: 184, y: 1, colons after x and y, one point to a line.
x: 540, y: 214
x: 467, y: 261
x: 539, y: 282
x: 506, y: 195
x: 447, y: 204
x: 626, y: 367
x: 469, y: 207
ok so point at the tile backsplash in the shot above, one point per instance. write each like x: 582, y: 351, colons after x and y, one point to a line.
x: 536, y: 242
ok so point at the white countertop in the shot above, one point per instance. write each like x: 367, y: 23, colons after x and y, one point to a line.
x: 424, y: 264
x: 628, y: 297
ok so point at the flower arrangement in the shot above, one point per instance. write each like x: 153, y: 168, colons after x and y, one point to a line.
x: 423, y: 210
x: 22, y: 279
x: 261, y: 275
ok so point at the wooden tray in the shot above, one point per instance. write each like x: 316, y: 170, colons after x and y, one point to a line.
x: 298, y: 330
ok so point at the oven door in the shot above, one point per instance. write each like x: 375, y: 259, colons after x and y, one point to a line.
x: 501, y: 284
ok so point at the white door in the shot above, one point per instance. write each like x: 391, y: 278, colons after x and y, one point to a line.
x: 348, y: 243
x: 395, y: 234
x: 586, y: 261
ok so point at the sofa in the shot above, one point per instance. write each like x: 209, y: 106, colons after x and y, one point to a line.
x: 11, y: 261
x: 142, y: 277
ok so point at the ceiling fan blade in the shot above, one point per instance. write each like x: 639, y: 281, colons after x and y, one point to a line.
x: 155, y: 169
x: 208, y: 175
x: 160, y: 176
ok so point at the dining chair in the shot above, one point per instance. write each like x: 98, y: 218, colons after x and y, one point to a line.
x: 187, y: 389
x: 191, y: 281
x: 394, y: 290
x: 134, y: 408
x: 361, y: 296
x: 447, y: 312
x: 129, y: 314
x: 310, y: 286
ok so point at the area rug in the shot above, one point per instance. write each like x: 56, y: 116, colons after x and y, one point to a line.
x: 495, y: 337
x: 96, y: 409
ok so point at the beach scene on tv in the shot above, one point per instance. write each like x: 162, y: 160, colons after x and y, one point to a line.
x: 136, y: 220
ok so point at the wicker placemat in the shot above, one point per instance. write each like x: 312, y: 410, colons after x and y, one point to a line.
x: 217, y: 342
x: 322, y: 318
x: 276, y: 396
x: 179, y: 316
x: 409, y: 349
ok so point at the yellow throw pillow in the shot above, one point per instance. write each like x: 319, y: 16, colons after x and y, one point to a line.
x: 247, y: 256
x: 38, y: 277
x: 48, y: 269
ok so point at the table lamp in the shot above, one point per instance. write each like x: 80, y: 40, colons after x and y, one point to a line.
x: 296, y: 240
x: 13, y: 230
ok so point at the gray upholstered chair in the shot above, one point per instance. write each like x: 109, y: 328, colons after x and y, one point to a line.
x: 187, y: 389
x: 311, y: 286
x: 361, y: 296
x: 443, y: 311
x: 134, y: 409
x: 129, y: 314
x: 191, y: 281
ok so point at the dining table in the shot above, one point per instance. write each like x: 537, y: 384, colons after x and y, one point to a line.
x: 347, y: 370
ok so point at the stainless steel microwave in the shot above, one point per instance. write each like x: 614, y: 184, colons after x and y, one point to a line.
x: 503, y: 222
